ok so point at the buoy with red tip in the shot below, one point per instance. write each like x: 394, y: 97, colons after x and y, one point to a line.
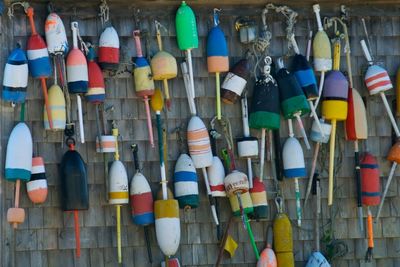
x: 14, y: 86
x: 293, y: 101
x: 141, y: 197
x: 74, y: 187
x: 164, y: 66
x: 235, y: 82
x: 258, y: 196
x: 18, y: 166
x: 217, y: 55
x: 201, y: 154
x: 172, y: 262
x: 378, y: 81
x: 185, y: 183
x: 294, y: 166
x: 77, y: 75
x: 144, y: 83
x: 37, y: 186
x: 109, y: 49
x: 216, y: 173
x: 334, y: 108
x: 118, y: 193
x: 56, y: 38
x: 38, y: 61
x: 267, y: 256
x: 394, y: 157
x: 370, y: 188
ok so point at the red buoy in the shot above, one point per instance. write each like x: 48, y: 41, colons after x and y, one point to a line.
x: 370, y: 182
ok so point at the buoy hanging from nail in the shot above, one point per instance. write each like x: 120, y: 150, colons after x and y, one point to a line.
x: 267, y: 256
x: 283, y: 237
x: 56, y: 38
x: 235, y: 82
x: 185, y: 183
x: 37, y: 186
x: 109, y: 49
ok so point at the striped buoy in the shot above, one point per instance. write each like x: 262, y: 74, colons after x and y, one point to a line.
x: 321, y: 46
x: 118, y: 184
x: 167, y: 224
x: 109, y: 49
x: 15, y: 80
x: 293, y: 159
x: 370, y: 182
x: 18, y: 165
x: 199, y: 143
x: 235, y: 82
x: 38, y: 57
x: 377, y: 80
x: 96, y: 89
x: 108, y: 144
x: 77, y: 69
x: 56, y: 38
x: 356, y: 122
x: 305, y: 76
x: 259, y: 199
x: 57, y: 109
x: 141, y: 200
x: 216, y: 175
x: 316, y: 134
x: 37, y: 186
x: 185, y: 183
x: 237, y: 183
x: 246, y: 203
x: 247, y: 147
x: 283, y: 241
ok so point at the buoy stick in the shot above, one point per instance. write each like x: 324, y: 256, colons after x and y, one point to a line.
x: 218, y: 93
x: 358, y: 184
x: 368, y: 256
x: 390, y: 114
x: 148, y: 246
x: 118, y: 207
x: 167, y: 97
x: 316, y: 9
x: 80, y: 116
x: 250, y: 172
x: 98, y: 127
x: 77, y: 234
x: 321, y: 86
x: 16, y: 204
x: 210, y: 198
x: 191, y: 79
x: 331, y: 162
x: 309, y: 42
x: 315, y: 116
x: 262, y: 154
x: 252, y: 241
x: 298, y: 203
x: 311, y: 177
x: 149, y: 127
x: 303, y: 132
x: 391, y: 174
x: 161, y: 152
x: 223, y: 243
x: 186, y: 80
x: 318, y: 209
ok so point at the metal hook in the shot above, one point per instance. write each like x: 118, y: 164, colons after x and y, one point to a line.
x: 24, y: 5
x: 279, y: 203
x: 216, y: 16
x: 104, y: 12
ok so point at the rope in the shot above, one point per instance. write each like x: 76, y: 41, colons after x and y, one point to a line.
x: 104, y: 12
x: 11, y: 8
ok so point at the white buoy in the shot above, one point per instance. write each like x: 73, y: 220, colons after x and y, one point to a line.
x: 216, y: 175
x: 185, y: 182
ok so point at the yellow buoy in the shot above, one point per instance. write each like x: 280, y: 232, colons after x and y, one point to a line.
x: 57, y: 109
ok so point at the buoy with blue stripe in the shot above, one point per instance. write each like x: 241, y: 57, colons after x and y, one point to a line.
x: 141, y: 197
x: 109, y: 49
x: 77, y: 75
x: 18, y: 166
x: 185, y: 183
x: 15, y: 80
x: 293, y: 165
x: 118, y: 193
x: 56, y: 38
x: 217, y: 56
x: 37, y: 186
x: 39, y: 61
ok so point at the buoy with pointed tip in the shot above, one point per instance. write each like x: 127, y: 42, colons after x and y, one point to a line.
x: 109, y: 49
x: 185, y: 183
x: 322, y: 52
x: 143, y: 81
x: 74, y: 188
x: 235, y: 82
x: 187, y: 38
x: 217, y: 56
x: 37, y: 186
x: 164, y: 66
x: 56, y: 38
x: 267, y: 256
x: 293, y: 102
x: 334, y: 108
x: 18, y: 166
x: 14, y: 86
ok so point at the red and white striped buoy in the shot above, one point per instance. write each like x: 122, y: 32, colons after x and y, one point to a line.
x: 109, y: 49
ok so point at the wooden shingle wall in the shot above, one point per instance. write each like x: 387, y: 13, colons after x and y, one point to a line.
x: 46, y: 238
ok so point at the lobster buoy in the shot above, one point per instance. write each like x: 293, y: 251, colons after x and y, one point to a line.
x: 370, y: 182
x: 267, y: 256
x: 15, y: 80
x: 293, y: 159
x: 247, y: 147
x: 96, y: 89
x: 37, y: 186
x: 259, y: 199
x: 304, y: 74
x: 18, y: 164
x: 235, y: 82
x: 57, y: 109
x: 246, y: 203
x: 377, y: 80
x: 38, y: 56
x: 118, y: 184
x: 108, y: 144
x: 317, y: 260
x: 237, y: 183
x: 216, y: 175
x: 141, y: 200
x: 185, y: 183
x: 316, y: 134
x: 283, y: 241
x: 199, y: 143
x: 173, y: 262
x: 167, y: 224
x: 109, y: 49
x: 56, y: 38
x: 356, y: 122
